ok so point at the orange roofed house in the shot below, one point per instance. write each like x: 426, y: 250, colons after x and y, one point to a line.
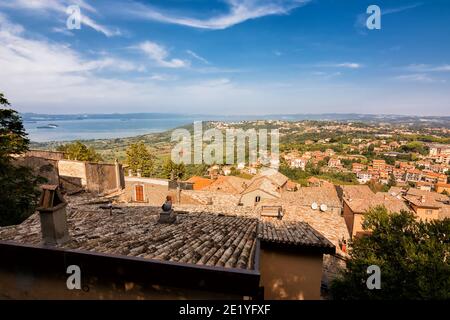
x: 199, y: 183
x: 357, y: 200
x: 427, y: 205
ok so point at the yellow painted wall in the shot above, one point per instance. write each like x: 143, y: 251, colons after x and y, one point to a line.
x: 290, y: 276
x: 248, y: 199
x: 423, y: 214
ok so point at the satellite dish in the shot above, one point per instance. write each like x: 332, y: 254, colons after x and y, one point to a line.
x: 323, y: 207
x: 314, y: 206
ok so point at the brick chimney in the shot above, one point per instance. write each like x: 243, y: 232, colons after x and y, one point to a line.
x: 52, y: 213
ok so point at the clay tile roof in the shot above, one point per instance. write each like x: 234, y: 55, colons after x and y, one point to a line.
x: 202, y: 239
x: 306, y: 196
x: 275, y: 176
x: 264, y: 185
x: 200, y: 182
x: 427, y: 199
x: 356, y: 191
x: 293, y: 234
x: 391, y: 203
x: 228, y: 184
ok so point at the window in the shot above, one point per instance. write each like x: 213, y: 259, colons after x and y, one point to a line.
x: 257, y: 199
x: 429, y: 211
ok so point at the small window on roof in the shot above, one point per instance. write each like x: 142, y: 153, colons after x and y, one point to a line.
x: 257, y: 199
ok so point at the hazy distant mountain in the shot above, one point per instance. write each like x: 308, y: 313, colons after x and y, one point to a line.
x: 324, y: 116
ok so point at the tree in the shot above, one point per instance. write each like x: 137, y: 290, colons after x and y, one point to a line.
x: 173, y: 170
x: 13, y: 138
x: 79, y: 151
x: 140, y: 158
x: 19, y: 185
x: 413, y: 257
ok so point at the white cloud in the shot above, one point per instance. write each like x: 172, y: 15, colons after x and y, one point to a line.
x: 346, y: 65
x: 401, y: 9
x: 60, y: 7
x: 361, y: 19
x: 159, y: 54
x: 429, y: 68
x: 239, y: 11
x: 418, y: 77
x: 196, y: 56
x: 349, y: 65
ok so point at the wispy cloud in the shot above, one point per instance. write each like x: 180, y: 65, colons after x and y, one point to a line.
x: 60, y: 7
x: 418, y: 77
x: 429, y: 68
x: 238, y: 11
x: 196, y: 56
x: 345, y: 65
x: 361, y: 19
x: 160, y: 55
x: 401, y: 9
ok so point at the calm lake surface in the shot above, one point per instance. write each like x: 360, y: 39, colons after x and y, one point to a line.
x: 83, y: 129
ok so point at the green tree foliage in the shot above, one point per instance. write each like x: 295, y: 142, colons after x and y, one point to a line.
x: 413, y: 257
x: 173, y: 170
x: 79, y: 151
x: 13, y: 139
x: 140, y: 158
x: 18, y: 184
x: 415, y: 146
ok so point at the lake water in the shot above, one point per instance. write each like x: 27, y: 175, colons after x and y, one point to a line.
x: 84, y: 129
x: 99, y: 128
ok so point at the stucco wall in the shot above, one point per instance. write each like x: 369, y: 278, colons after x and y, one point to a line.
x: 291, y: 276
x: 248, y: 199
x: 42, y: 167
x: 421, y: 213
x: 95, y: 177
x: 50, y: 155
x: 101, y: 177
x: 74, y: 169
x: 153, y: 194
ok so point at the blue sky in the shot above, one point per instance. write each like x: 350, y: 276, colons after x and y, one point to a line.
x: 226, y: 57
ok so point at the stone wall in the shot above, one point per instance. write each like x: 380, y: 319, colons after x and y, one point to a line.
x: 41, y: 167
x: 94, y: 177
x: 101, y: 177
x: 73, y: 169
x: 49, y: 155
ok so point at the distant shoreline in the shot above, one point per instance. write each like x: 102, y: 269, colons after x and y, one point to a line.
x: 67, y: 128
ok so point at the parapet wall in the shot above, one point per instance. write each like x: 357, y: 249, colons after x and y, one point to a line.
x: 94, y: 177
x: 49, y: 155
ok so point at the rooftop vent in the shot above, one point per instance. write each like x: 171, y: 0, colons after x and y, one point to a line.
x: 272, y: 211
x: 323, y: 207
x: 314, y: 206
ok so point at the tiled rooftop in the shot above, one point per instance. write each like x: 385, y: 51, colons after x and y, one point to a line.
x: 202, y: 239
x: 292, y: 233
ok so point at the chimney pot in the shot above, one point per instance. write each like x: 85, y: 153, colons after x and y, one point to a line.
x: 52, y: 213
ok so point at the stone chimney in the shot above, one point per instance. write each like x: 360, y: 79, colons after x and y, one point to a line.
x: 52, y: 213
x: 119, y: 175
x: 167, y: 214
